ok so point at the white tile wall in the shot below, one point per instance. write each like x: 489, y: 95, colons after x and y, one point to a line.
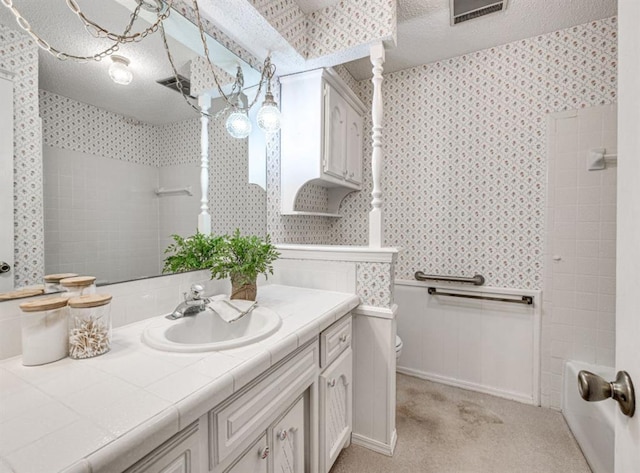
x: 101, y: 216
x: 178, y: 213
x: 579, y: 275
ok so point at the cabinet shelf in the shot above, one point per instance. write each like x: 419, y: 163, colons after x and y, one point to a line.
x: 314, y: 214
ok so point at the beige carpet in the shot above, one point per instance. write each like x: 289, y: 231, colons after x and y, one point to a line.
x: 442, y: 429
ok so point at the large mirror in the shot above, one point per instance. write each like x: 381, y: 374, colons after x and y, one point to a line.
x: 121, y: 163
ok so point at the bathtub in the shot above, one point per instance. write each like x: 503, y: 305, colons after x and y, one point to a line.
x: 592, y: 423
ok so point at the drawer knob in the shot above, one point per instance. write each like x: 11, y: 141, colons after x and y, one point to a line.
x: 264, y: 453
x: 343, y: 338
x: 283, y: 435
x: 332, y: 383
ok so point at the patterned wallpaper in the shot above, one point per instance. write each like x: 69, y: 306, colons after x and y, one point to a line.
x: 234, y: 203
x: 18, y: 54
x: 465, y: 153
x: 69, y: 124
x: 287, y: 18
x: 374, y: 284
x: 332, y: 29
x: 185, y: 8
x: 202, y: 79
x: 348, y: 24
x: 179, y: 143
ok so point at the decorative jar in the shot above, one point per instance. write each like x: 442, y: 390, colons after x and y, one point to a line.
x: 52, y: 282
x: 44, y: 330
x: 79, y: 285
x: 89, y: 325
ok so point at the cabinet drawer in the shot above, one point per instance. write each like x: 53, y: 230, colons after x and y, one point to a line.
x: 234, y: 424
x: 335, y: 340
x: 179, y: 454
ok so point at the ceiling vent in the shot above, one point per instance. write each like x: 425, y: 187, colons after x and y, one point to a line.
x: 465, y: 10
x: 172, y: 83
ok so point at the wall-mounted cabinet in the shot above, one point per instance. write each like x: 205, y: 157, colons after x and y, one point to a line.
x: 321, y: 139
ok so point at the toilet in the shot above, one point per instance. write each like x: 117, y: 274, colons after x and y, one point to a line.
x: 398, y: 347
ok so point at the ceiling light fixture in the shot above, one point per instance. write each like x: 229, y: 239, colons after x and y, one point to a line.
x: 268, y: 116
x: 119, y: 70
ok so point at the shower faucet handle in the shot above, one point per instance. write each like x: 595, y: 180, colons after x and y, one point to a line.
x: 595, y: 388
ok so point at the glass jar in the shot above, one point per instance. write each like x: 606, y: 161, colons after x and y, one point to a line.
x: 79, y: 285
x: 89, y: 325
x: 44, y: 330
x: 52, y: 282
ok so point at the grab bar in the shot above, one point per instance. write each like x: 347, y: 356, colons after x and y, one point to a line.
x: 476, y: 280
x: 528, y: 300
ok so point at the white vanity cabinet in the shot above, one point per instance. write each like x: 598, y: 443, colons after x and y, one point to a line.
x: 321, y: 138
x: 294, y: 418
x: 335, y: 392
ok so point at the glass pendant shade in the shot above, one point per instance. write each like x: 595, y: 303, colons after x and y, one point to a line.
x: 269, y: 115
x: 119, y: 70
x: 238, y: 124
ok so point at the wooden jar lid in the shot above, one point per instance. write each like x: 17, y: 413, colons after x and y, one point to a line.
x: 78, y: 281
x: 58, y: 277
x: 19, y: 293
x: 90, y: 300
x: 50, y: 303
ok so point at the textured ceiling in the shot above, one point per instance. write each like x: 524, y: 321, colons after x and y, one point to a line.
x: 89, y: 82
x: 425, y: 34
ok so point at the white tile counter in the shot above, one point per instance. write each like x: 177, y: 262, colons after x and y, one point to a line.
x: 104, y: 413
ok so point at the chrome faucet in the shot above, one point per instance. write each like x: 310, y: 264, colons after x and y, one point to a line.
x: 193, y: 303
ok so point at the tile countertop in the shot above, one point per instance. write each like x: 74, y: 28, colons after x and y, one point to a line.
x: 104, y: 413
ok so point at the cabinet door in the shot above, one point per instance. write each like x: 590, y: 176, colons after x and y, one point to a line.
x: 354, y: 146
x: 288, y: 441
x: 254, y: 459
x: 335, y: 134
x: 336, y: 393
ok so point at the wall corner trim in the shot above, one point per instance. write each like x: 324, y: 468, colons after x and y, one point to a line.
x: 379, y: 312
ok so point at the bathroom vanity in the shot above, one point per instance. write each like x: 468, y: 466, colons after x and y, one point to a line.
x: 283, y: 404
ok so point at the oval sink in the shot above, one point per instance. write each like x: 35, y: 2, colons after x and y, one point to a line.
x: 208, y: 332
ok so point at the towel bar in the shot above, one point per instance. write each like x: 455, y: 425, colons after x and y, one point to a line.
x: 528, y: 300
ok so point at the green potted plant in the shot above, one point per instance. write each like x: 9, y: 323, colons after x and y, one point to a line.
x: 240, y: 258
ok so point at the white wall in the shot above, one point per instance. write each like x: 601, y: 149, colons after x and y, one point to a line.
x: 580, y: 266
x: 487, y: 346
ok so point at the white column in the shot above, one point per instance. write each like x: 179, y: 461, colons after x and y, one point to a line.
x: 204, y: 219
x: 376, y: 236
